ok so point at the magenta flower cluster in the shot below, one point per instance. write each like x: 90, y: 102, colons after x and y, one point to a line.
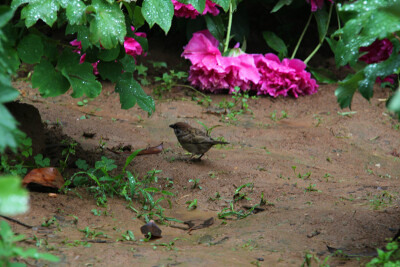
x: 188, y: 11
x: 266, y: 74
x: 316, y: 4
x: 132, y: 47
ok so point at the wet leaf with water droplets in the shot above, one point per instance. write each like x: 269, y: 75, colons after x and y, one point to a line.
x: 45, y: 10
x: 158, y: 12
x: 131, y: 92
x: 108, y: 26
x: 49, y: 81
x: 80, y: 76
x: 30, y: 49
x: 76, y: 12
x: 344, y: 93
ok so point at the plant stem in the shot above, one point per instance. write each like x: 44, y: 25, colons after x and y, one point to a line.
x: 190, y: 87
x: 322, y: 39
x: 338, y: 21
x: 301, y: 37
x: 228, y: 31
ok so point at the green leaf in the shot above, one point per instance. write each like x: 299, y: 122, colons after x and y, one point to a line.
x: 381, y: 69
x: 344, y: 93
x: 128, y: 63
x: 138, y: 19
x: 8, y: 130
x: 393, y: 103
x: 365, y: 21
x: 9, y: 60
x: 199, y: 5
x: 75, y: 12
x: 131, y: 93
x: 6, y: 14
x: 321, y: 16
x: 275, y: 43
x: 108, y: 26
x: 45, y: 10
x: 49, y: 81
x: 223, y: 3
x: 160, y: 12
x: 7, y: 92
x: 216, y: 26
x: 83, y: 35
x: 130, y: 158
x: 323, y: 75
x: 109, y: 54
x: 30, y: 49
x: 280, y: 4
x: 80, y: 76
x: 13, y: 198
x: 110, y: 70
x: 50, y: 51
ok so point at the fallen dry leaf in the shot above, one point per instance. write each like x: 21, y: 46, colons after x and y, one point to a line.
x: 43, y: 179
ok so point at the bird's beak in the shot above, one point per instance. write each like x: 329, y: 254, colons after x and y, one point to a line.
x: 172, y: 126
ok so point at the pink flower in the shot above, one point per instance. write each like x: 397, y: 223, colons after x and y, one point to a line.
x: 188, y: 11
x: 133, y: 47
x: 266, y: 74
x: 82, y: 59
x: 211, y: 71
x: 285, y: 78
x: 378, y: 51
x: 317, y: 4
x: 388, y: 79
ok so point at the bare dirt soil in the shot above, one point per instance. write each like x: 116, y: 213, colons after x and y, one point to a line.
x: 347, y: 195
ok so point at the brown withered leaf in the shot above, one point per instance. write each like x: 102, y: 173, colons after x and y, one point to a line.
x: 43, y: 180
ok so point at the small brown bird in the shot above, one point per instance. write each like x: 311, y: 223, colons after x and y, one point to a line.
x: 194, y: 140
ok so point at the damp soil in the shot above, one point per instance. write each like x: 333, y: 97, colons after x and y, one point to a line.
x: 330, y: 179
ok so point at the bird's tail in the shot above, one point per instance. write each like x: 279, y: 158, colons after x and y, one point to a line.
x: 220, y: 142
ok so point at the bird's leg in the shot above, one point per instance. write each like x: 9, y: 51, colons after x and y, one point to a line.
x: 196, y: 159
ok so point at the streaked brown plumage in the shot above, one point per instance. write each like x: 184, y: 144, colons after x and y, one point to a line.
x: 194, y: 140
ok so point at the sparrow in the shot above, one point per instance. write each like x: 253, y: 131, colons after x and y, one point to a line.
x: 194, y: 140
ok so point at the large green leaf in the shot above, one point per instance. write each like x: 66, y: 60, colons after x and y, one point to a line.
x: 223, y: 3
x: 30, y: 49
x: 49, y: 81
x: 9, y: 60
x: 13, y: 198
x: 381, y: 69
x: 7, y: 92
x: 80, y: 76
x: 8, y: 130
x: 199, y: 5
x: 365, y: 22
x: 108, y: 26
x: 109, y: 54
x: 345, y: 92
x: 275, y: 43
x: 394, y: 102
x: 128, y: 63
x: 158, y: 11
x: 6, y: 13
x: 110, y: 70
x: 216, y: 26
x: 130, y: 93
x: 83, y: 34
x: 45, y: 10
x: 75, y: 12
